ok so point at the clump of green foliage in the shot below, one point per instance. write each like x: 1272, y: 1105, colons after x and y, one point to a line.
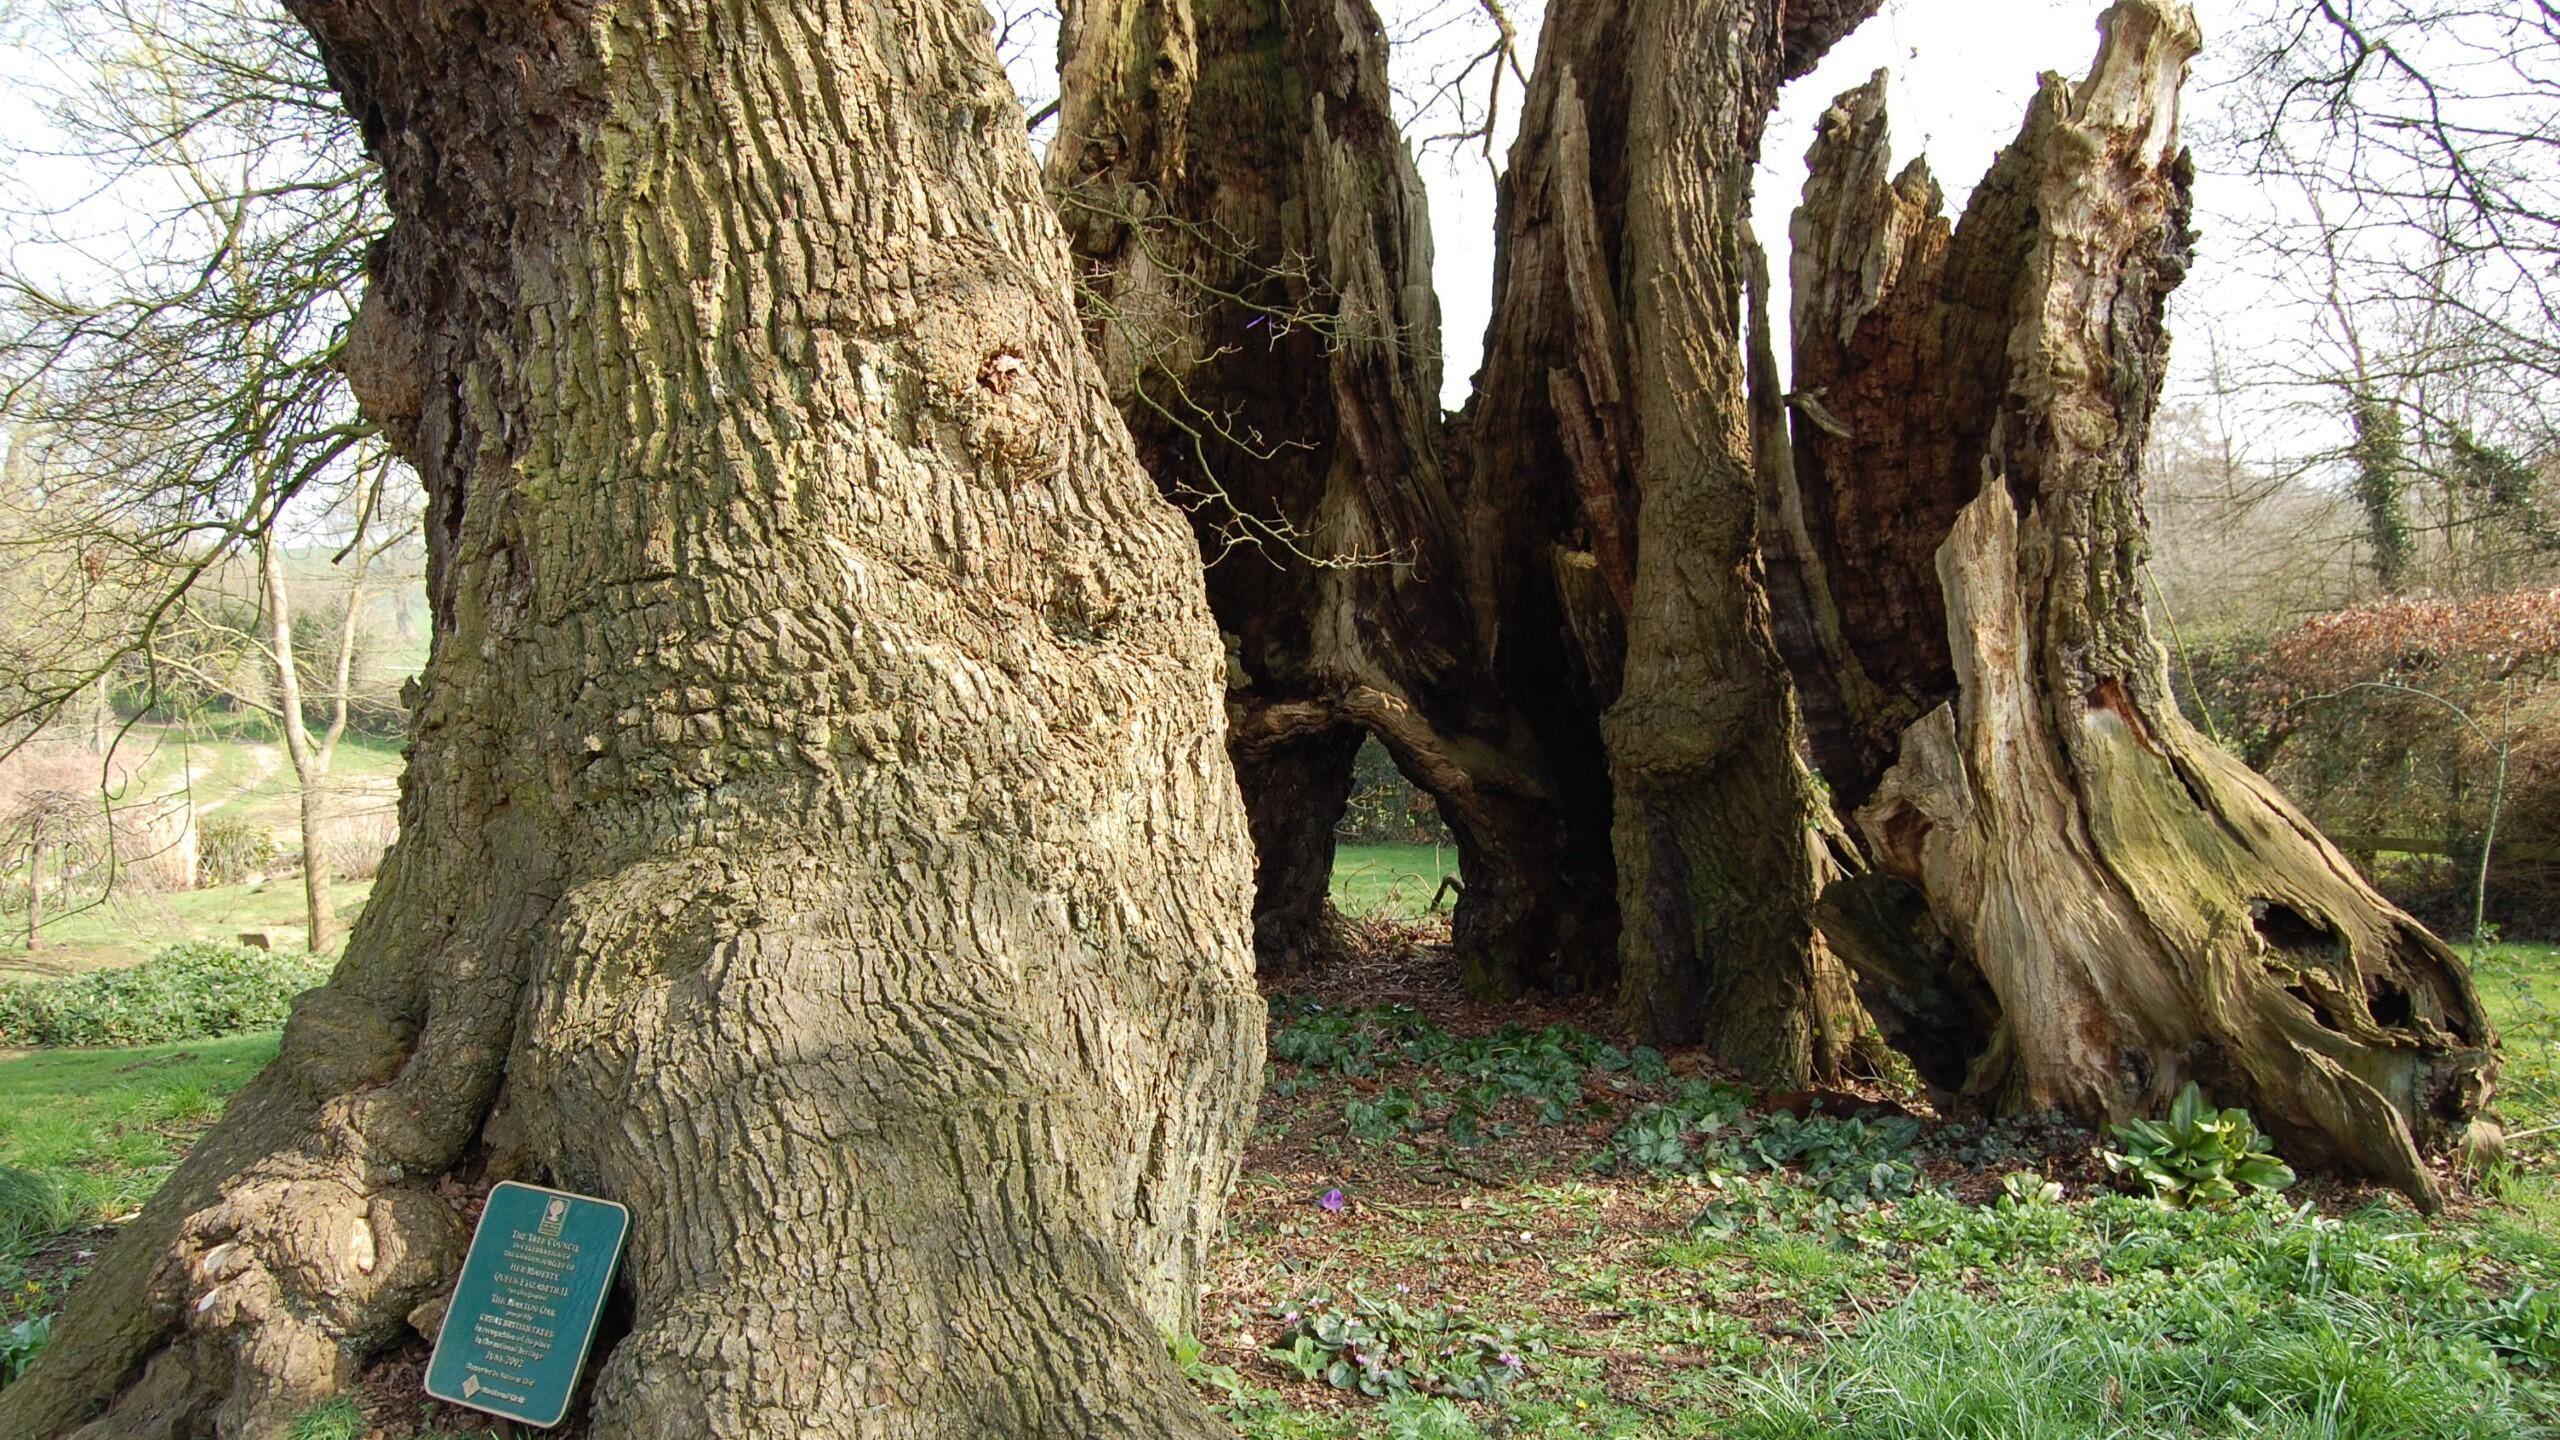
x: 1854, y: 1161
x: 1473, y: 1078
x: 1682, y: 1135
x: 193, y: 991
x: 231, y: 848
x: 33, y: 1205
x: 1380, y: 1346
x: 21, y: 1343
x: 1848, y: 1162
x: 2199, y: 1155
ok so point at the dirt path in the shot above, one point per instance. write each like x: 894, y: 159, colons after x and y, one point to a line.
x: 199, y: 776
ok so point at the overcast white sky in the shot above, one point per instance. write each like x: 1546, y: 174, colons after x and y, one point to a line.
x: 1962, y: 70
x: 1962, y: 73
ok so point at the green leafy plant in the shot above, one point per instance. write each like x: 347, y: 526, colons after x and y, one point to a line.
x: 1551, y: 1075
x: 1852, y: 1162
x: 1381, y: 1346
x: 1653, y: 1140
x: 193, y: 991
x: 2524, y: 1328
x: 20, y: 1343
x: 1192, y: 1359
x: 1658, y: 1137
x: 1425, y: 1417
x: 2198, y: 1155
x: 1392, y: 1113
x: 2026, y: 1187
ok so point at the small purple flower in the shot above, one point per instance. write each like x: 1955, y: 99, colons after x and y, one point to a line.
x: 1509, y: 1361
x: 1333, y: 1200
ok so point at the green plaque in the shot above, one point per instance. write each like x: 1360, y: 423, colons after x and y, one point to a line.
x: 516, y: 1335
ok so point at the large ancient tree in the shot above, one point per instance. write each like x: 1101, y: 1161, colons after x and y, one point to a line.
x: 1471, y: 593
x: 1612, y: 407
x: 818, y: 832
x: 1638, y: 580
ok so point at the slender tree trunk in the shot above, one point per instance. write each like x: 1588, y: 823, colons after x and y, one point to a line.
x: 1258, y: 260
x: 35, y: 885
x: 310, y: 760
x: 2139, y: 908
x: 818, y: 832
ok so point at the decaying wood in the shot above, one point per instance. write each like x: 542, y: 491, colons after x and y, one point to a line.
x: 818, y: 831
x: 1257, y: 259
x: 2138, y: 907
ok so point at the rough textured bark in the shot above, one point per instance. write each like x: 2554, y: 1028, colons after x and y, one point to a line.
x: 818, y: 833
x: 2139, y: 908
x: 1612, y: 422
x: 1258, y: 281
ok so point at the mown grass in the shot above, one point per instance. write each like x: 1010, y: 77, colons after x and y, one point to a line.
x: 86, y: 1136
x: 1396, y: 880
x: 107, y: 1125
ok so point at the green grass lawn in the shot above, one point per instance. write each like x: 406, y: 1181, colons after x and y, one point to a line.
x: 108, y: 1124
x: 1525, y: 1246
x: 1397, y: 880
x: 87, y: 1135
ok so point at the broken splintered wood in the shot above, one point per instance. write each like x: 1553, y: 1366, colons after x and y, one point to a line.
x: 2138, y: 907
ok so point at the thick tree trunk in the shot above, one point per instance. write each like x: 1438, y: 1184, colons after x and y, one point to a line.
x: 1258, y: 281
x: 1612, y: 423
x: 2139, y: 907
x: 818, y: 833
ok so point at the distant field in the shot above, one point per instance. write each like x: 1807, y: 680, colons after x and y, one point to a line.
x: 253, y: 780
x: 1395, y: 880
x: 130, y: 927
x: 229, y: 779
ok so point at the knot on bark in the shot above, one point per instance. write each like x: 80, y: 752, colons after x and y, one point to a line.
x: 1007, y: 418
x: 385, y: 368
x: 313, y: 1254
x: 997, y: 393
